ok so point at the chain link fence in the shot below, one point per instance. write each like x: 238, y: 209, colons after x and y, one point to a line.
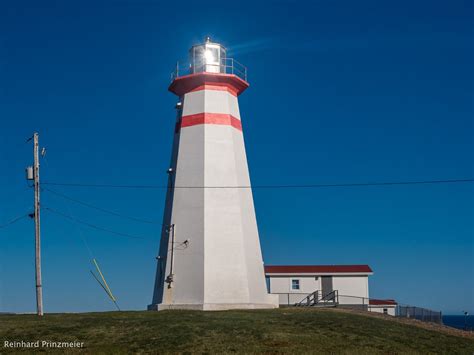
x: 423, y: 314
x: 389, y: 307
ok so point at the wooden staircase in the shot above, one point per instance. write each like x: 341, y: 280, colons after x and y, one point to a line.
x: 320, y: 299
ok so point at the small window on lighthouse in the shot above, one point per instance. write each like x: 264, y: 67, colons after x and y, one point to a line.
x: 295, y: 284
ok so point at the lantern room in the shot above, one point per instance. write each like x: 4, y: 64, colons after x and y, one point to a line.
x: 207, y: 57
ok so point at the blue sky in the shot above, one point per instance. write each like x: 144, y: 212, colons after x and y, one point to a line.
x: 339, y: 92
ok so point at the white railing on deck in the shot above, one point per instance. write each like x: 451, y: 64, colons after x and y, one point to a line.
x: 226, y: 66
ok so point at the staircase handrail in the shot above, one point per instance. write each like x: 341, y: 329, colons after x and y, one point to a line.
x: 318, y: 297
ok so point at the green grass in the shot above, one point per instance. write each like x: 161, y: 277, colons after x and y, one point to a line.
x: 287, y: 330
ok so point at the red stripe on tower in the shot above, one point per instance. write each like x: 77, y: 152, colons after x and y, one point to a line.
x: 223, y: 119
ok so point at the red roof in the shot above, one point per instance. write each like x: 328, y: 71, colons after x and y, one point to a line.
x: 320, y: 269
x: 184, y: 84
x: 376, y: 302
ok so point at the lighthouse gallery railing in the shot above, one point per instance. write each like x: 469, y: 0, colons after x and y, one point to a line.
x: 226, y: 66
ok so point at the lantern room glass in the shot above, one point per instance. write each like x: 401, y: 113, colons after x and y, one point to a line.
x: 207, y: 57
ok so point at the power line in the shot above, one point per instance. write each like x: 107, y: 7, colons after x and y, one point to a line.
x: 289, y: 186
x: 100, y: 208
x: 92, y: 225
x: 14, y: 220
x: 107, y: 185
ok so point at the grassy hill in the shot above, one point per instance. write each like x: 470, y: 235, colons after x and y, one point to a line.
x: 286, y: 330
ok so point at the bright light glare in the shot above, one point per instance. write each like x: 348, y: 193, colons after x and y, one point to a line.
x: 209, y: 57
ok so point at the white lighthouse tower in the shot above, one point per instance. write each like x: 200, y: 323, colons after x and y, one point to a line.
x: 210, y: 256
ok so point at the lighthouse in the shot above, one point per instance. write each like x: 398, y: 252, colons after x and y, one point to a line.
x: 209, y: 256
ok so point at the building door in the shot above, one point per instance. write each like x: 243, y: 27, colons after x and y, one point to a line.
x: 326, y: 285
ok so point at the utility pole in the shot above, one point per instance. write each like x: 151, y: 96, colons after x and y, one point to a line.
x: 33, y: 173
x: 36, y: 174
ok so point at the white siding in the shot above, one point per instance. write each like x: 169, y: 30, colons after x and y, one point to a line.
x: 356, y: 286
x: 308, y: 284
x: 379, y: 309
x: 352, y: 289
x: 210, y: 101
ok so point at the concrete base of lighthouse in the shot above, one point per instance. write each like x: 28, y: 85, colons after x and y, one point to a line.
x: 212, y: 306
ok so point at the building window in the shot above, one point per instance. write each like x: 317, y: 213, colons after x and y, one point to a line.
x: 295, y: 284
x: 385, y: 311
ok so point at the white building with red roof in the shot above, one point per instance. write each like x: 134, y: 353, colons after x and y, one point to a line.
x: 325, y: 285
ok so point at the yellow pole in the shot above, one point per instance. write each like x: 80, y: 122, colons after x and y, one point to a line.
x: 103, y: 279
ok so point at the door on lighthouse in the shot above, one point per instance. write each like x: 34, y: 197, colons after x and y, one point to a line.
x: 326, y: 285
